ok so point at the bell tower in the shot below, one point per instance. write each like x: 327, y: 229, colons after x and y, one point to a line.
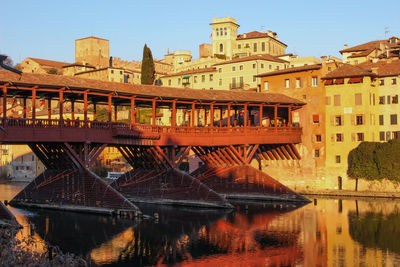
x: 224, y: 33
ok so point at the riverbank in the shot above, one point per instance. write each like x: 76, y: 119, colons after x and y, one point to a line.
x: 349, y: 193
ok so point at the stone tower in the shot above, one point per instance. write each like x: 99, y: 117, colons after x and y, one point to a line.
x: 224, y: 33
x: 93, y: 50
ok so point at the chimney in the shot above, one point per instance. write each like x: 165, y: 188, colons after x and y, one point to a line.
x: 345, y: 46
x: 374, y: 70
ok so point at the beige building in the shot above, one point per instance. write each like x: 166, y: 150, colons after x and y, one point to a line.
x: 42, y: 66
x: 194, y: 79
x: 94, y: 51
x: 373, y: 50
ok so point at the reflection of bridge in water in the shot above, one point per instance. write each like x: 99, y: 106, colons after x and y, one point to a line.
x: 225, y: 129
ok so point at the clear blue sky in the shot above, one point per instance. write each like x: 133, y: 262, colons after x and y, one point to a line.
x: 47, y: 29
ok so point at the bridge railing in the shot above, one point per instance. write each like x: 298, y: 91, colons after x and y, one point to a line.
x: 145, y: 128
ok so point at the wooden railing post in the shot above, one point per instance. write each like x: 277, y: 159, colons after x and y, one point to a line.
x: 4, y: 105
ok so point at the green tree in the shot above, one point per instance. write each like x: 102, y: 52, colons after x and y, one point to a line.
x: 148, y: 70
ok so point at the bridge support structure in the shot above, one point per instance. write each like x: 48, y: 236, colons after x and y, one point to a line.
x: 68, y: 184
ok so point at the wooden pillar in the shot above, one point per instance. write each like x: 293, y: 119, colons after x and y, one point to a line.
x: 276, y: 115
x: 173, y: 115
x: 85, y: 107
x: 220, y: 116
x: 229, y: 115
x: 49, y: 108
x: 61, y: 97
x: 212, y: 115
x: 192, y: 114
x: 198, y: 117
x: 290, y: 116
x: 4, y: 105
x: 94, y: 110
x: 235, y: 119
x: 109, y: 108
x: 73, y: 109
x: 205, y: 116
x: 24, y: 111
x: 133, y: 113
x: 153, y: 118
x: 33, y: 103
x: 261, y: 114
x: 115, y: 112
x: 245, y: 115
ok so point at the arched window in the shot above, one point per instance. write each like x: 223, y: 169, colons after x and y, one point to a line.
x: 221, y: 48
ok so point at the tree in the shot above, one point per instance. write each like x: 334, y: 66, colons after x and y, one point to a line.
x: 8, y: 61
x: 148, y: 71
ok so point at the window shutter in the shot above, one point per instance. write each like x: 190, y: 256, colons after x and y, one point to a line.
x: 332, y: 138
x: 353, y: 137
x: 342, y: 137
x: 352, y: 120
x: 342, y: 119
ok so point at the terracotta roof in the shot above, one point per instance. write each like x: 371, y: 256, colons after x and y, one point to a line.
x: 256, y: 34
x: 150, y: 91
x: 369, y: 45
x: 254, y: 57
x: 362, y: 53
x: 384, y: 68
x: 91, y: 37
x: 347, y: 71
x: 203, y: 70
x: 50, y: 63
x: 291, y: 70
x: 78, y: 64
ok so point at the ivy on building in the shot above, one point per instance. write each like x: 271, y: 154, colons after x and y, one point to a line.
x: 375, y: 161
x: 148, y: 70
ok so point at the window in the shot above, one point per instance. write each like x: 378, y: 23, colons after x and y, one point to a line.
x: 241, y: 67
x: 287, y: 83
x: 233, y: 68
x: 220, y: 82
x: 266, y: 86
x: 120, y: 72
x: 393, y: 119
x: 195, y: 79
x: 211, y: 77
x: 381, y: 121
x: 339, y: 137
x: 396, y: 134
x: 169, y: 82
x: 358, y: 98
x: 381, y: 136
x: 239, y: 46
x: 316, y: 153
x: 382, y: 82
x: 179, y: 81
x: 263, y: 46
x: 359, y: 120
x: 298, y: 82
x: 314, y: 81
x: 221, y: 48
x: 315, y: 118
x: 395, y: 99
x: 254, y: 78
x: 270, y: 66
x: 388, y: 99
x: 262, y: 65
x: 254, y: 65
x: 255, y: 47
x: 387, y: 136
x: 381, y: 100
x: 33, y: 158
x: 360, y: 137
x: 337, y: 157
x: 338, y: 121
x: 219, y: 70
x: 336, y: 100
x: 318, y: 138
x: 112, y: 71
x: 327, y: 100
x: 394, y: 81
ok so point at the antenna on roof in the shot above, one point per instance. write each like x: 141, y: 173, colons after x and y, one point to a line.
x: 386, y: 31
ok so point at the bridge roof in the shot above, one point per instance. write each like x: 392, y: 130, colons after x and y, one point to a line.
x: 145, y: 91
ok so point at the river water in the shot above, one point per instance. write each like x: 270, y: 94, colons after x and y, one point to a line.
x: 326, y: 232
